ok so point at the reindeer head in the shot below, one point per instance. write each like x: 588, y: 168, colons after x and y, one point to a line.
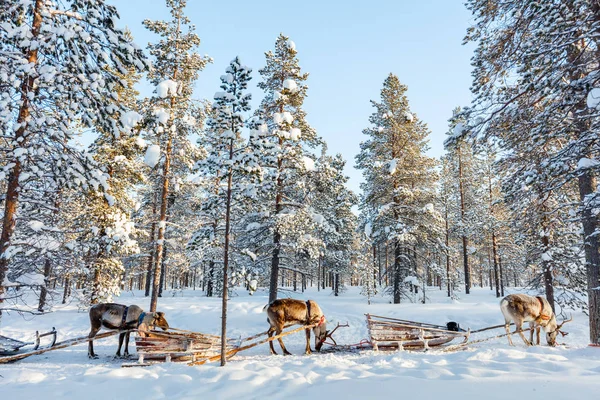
x: 552, y: 334
x: 320, y: 332
x: 158, y: 320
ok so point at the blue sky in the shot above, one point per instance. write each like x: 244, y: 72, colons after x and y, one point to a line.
x: 348, y: 48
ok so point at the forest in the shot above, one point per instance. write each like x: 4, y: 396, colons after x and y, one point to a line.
x: 181, y: 192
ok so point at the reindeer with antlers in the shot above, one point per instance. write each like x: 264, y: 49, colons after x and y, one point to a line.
x: 535, y: 310
x: 286, y: 312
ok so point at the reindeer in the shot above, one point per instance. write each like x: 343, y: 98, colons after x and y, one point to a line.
x: 118, y: 316
x: 535, y: 310
x: 285, y: 312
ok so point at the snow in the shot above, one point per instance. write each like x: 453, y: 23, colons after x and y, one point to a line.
x: 593, y: 98
x: 152, y: 155
x: 167, y: 88
x: 287, y: 117
x: 585, y: 163
x: 368, y: 229
x: 392, y: 166
x: 412, y: 280
x: 161, y: 115
x: 140, y: 142
x: 290, y: 84
x: 295, y: 133
x: 309, y: 163
x: 458, y: 129
x: 36, y: 226
x: 291, y: 45
x: 130, y: 119
x: 490, y: 370
x: 408, y: 116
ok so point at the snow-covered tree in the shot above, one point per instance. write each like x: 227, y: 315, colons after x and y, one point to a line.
x: 173, y: 115
x: 284, y: 140
x: 60, y: 63
x: 536, y: 65
x: 398, y: 192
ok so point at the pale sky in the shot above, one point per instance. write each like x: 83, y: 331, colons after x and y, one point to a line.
x: 348, y: 48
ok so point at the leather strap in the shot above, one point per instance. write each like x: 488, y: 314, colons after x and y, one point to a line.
x: 124, y: 319
x: 307, y: 312
x: 542, y: 316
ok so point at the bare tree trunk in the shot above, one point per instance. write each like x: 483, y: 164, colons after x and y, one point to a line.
x: 587, y: 185
x: 66, y: 289
x: 226, y: 260
x: 462, y: 214
x: 152, y: 249
x: 501, y: 276
x: 44, y: 290
x: 397, y: 272
x: 11, y: 200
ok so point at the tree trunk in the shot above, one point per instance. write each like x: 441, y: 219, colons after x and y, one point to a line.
x: 44, y: 290
x: 587, y: 185
x: 152, y: 249
x: 462, y: 214
x: 226, y: 260
x: 11, y: 200
x: 397, y: 273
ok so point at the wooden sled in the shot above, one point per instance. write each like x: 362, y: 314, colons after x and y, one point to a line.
x: 391, y: 333
x: 177, y: 345
x: 195, y: 348
x: 10, y: 346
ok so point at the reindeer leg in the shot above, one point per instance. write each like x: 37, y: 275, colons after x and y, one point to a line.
x: 280, y: 340
x: 507, y: 327
x: 520, y: 332
x: 538, y: 335
x: 531, y: 329
x: 93, y: 332
x: 307, y: 351
x: 121, y: 337
x: 126, y: 353
x: 270, y: 333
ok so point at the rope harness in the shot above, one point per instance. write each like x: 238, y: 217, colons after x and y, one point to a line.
x: 542, y: 316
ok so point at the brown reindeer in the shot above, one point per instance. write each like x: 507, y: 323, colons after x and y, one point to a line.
x: 118, y: 316
x: 535, y: 310
x: 285, y: 312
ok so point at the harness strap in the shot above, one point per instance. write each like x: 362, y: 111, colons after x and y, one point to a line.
x: 307, y: 312
x: 141, y: 318
x: 124, y: 319
x: 542, y: 316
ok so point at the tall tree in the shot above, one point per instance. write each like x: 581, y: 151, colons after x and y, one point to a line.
x: 542, y: 57
x: 285, y: 140
x: 70, y: 78
x: 175, y: 115
x: 398, y: 193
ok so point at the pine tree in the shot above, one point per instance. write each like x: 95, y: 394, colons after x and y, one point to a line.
x: 225, y: 165
x: 74, y: 52
x: 548, y: 51
x: 176, y: 116
x: 284, y: 140
x: 398, y: 195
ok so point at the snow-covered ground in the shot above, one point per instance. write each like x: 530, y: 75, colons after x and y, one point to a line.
x: 490, y: 370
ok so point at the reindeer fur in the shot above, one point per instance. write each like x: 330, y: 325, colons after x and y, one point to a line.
x: 110, y: 316
x: 285, y: 312
x: 523, y: 308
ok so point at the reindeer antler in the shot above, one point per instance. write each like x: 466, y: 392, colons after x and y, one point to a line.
x: 561, y: 324
x: 329, y: 333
